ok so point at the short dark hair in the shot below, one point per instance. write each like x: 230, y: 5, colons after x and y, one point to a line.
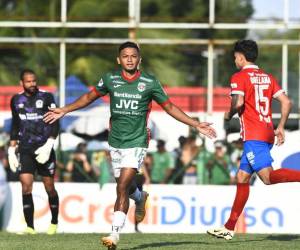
x: 248, y: 48
x: 81, y: 147
x: 26, y: 71
x: 129, y: 44
x: 160, y: 143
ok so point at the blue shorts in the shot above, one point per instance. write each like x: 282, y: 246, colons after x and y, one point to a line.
x: 256, y: 156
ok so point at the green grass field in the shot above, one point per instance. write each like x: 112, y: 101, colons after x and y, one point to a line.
x: 149, y: 241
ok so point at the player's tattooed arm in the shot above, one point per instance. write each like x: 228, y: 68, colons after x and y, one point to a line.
x: 236, y: 107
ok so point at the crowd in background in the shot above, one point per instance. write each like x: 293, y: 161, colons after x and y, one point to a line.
x: 190, y: 163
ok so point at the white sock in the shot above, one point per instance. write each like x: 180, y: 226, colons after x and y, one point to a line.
x: 136, y: 195
x: 118, y: 223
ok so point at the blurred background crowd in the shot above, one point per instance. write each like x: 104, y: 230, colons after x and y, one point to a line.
x: 190, y: 163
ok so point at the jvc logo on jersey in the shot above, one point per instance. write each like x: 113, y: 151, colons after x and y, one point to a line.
x: 127, y: 104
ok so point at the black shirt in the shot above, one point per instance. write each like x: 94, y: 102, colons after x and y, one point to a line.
x: 28, y: 126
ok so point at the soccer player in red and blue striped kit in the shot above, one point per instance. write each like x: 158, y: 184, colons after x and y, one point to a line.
x: 252, y: 92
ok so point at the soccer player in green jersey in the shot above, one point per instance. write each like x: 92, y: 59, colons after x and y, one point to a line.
x: 131, y: 92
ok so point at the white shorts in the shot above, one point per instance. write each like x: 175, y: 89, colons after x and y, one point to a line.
x: 126, y: 158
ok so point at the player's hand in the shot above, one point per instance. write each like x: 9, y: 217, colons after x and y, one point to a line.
x: 43, y: 152
x: 279, y: 133
x: 13, y: 159
x: 205, y: 129
x: 53, y: 115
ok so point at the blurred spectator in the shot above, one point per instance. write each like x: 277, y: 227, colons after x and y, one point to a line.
x: 10, y: 176
x: 3, y: 192
x: 79, y: 166
x: 146, y: 168
x: 218, y: 165
x: 101, y: 162
x: 233, y: 169
x: 163, y: 164
x: 236, y: 151
x: 3, y: 177
x: 235, y: 157
x: 178, y: 171
x: 189, y: 159
x: 202, y: 171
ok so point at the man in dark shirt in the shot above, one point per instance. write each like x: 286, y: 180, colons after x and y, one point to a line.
x: 33, y: 139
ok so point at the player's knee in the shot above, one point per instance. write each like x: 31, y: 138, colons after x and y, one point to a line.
x: 265, y: 177
x: 242, y: 178
x: 266, y: 180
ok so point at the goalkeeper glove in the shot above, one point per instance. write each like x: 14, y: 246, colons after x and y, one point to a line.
x: 43, y: 152
x: 12, y: 159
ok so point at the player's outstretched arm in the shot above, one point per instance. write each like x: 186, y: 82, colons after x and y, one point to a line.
x: 56, y: 113
x: 203, y: 127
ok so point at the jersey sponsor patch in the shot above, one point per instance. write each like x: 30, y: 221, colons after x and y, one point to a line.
x: 21, y: 105
x: 22, y: 116
x: 39, y: 104
x: 233, y: 85
x: 53, y: 105
x: 141, y: 86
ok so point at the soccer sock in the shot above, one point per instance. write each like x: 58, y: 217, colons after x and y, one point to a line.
x: 118, y: 222
x: 136, y: 195
x: 284, y: 175
x: 54, y: 207
x: 241, y: 197
x: 28, y: 209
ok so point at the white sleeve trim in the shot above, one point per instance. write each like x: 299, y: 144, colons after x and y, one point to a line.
x: 278, y: 93
x: 237, y: 92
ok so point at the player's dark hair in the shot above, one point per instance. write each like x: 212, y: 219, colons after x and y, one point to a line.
x: 26, y: 71
x: 161, y: 143
x: 129, y: 45
x: 248, y: 48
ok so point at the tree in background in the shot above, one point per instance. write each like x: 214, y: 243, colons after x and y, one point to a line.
x: 174, y: 65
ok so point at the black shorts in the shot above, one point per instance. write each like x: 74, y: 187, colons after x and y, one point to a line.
x: 28, y: 164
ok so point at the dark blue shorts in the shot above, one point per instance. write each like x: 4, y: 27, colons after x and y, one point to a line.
x: 256, y: 156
